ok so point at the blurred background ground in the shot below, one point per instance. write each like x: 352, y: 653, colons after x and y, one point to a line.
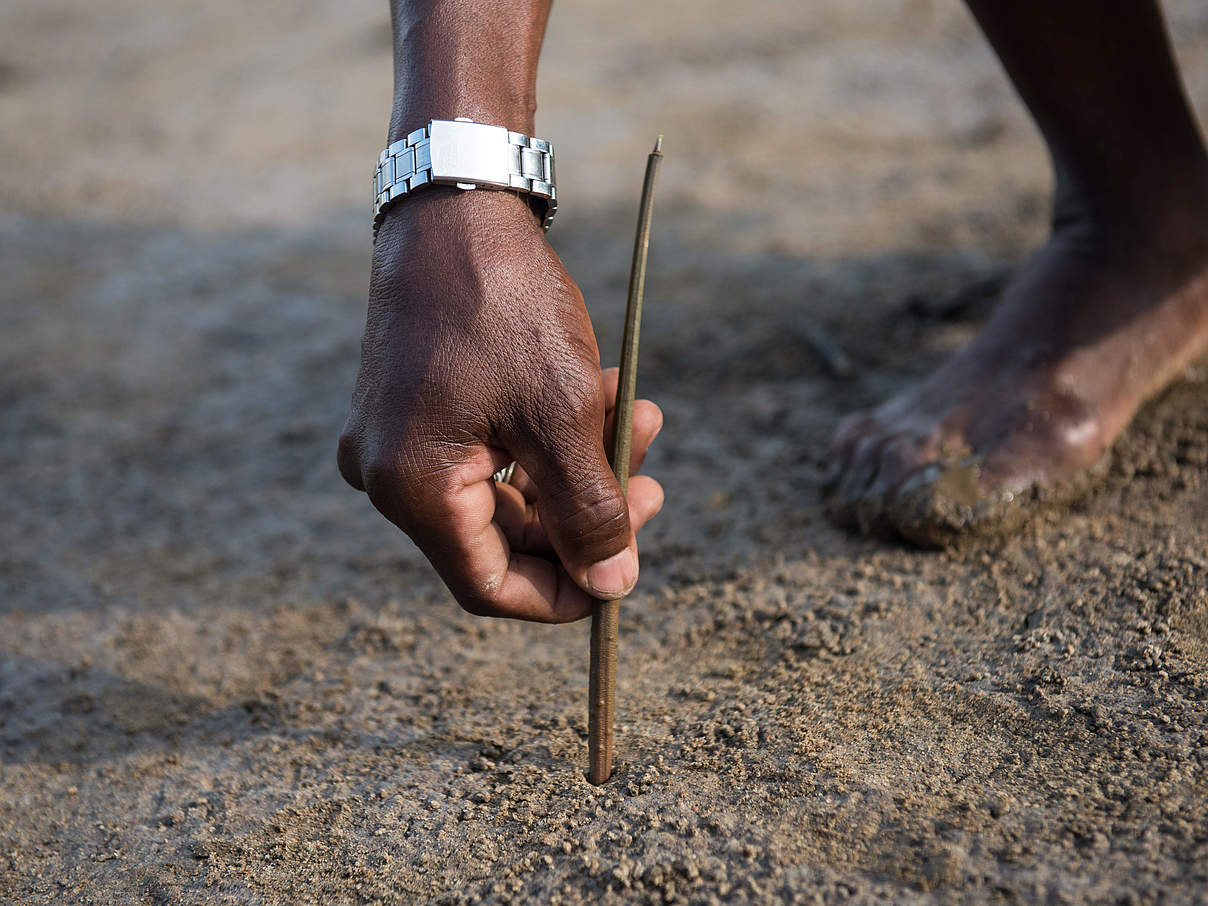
x: 223, y: 678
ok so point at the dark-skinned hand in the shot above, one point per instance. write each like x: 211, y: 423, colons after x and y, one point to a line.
x: 478, y: 350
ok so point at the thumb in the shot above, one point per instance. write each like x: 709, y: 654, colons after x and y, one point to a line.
x: 584, y: 513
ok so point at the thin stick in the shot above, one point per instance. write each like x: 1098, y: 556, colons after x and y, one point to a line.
x: 602, y: 687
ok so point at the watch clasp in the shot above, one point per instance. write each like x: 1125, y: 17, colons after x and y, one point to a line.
x: 468, y: 154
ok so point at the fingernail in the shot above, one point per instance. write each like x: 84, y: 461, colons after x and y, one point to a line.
x: 614, y: 577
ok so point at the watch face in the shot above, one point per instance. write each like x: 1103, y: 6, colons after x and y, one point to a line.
x: 471, y: 153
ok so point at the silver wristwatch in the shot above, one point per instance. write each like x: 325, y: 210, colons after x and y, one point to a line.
x: 468, y: 155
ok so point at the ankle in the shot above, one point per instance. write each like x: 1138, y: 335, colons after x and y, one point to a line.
x: 1168, y: 215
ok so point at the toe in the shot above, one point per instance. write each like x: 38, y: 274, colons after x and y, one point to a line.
x: 902, y: 457
x: 858, y: 473
x: 850, y: 433
x: 851, y: 430
x: 861, y: 471
x: 897, y: 459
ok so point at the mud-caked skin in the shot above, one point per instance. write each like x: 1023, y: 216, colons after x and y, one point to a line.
x: 1094, y: 324
x: 478, y: 350
x: 1112, y: 308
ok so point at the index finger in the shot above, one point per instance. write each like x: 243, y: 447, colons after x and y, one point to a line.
x: 452, y: 523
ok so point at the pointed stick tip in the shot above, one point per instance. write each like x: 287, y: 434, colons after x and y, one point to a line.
x: 658, y: 145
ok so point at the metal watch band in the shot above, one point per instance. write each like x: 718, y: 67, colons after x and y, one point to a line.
x: 468, y: 155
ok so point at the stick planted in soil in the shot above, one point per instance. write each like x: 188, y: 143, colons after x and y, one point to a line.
x: 602, y: 685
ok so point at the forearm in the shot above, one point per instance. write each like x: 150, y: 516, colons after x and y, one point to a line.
x: 466, y: 58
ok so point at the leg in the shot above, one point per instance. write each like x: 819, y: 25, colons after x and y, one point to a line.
x: 1112, y: 309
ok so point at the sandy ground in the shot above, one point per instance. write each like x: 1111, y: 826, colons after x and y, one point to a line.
x: 224, y: 679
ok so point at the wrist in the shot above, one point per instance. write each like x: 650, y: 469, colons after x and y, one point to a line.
x: 457, y: 58
x: 439, y: 253
x: 417, y: 109
x: 448, y: 213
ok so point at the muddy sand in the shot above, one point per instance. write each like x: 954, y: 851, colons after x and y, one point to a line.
x: 224, y: 679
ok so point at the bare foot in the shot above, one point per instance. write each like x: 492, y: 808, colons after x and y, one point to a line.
x: 1094, y: 324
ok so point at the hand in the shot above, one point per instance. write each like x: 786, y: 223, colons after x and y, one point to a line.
x: 478, y: 350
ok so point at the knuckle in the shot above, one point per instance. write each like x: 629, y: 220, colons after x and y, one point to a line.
x: 593, y: 515
x: 582, y: 382
x: 568, y: 406
x: 348, y: 458
x: 573, y: 374
x: 413, y: 493
x: 428, y: 492
x: 383, y: 477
